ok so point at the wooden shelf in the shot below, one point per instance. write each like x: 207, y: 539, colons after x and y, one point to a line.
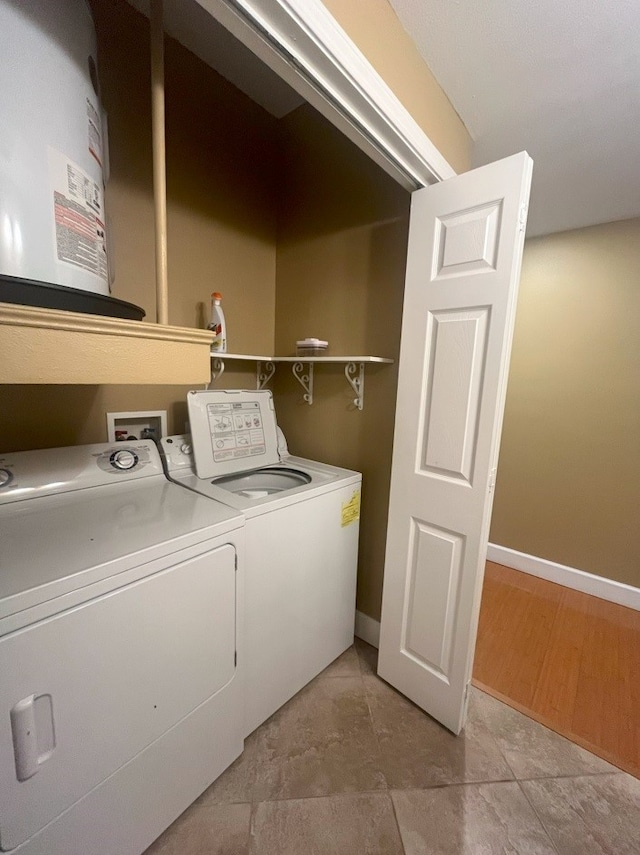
x: 336, y: 359
x: 353, y: 370
x: 52, y: 346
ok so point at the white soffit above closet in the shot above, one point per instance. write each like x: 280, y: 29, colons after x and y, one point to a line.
x: 559, y: 79
x: 188, y: 23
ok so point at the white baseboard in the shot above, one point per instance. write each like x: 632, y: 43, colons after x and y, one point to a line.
x: 588, y: 583
x: 367, y: 629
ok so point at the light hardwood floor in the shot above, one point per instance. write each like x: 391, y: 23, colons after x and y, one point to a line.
x: 568, y: 660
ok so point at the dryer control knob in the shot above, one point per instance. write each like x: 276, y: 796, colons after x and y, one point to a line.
x: 6, y: 478
x: 123, y: 459
x: 185, y: 448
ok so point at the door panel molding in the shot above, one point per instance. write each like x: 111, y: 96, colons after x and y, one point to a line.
x: 434, y: 573
x: 480, y: 226
x: 456, y: 350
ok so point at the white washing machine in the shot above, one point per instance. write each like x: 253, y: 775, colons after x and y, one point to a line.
x: 302, y: 526
x: 120, y: 662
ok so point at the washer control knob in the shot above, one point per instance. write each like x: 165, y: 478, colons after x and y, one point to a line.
x: 123, y: 460
x: 6, y: 478
x: 185, y: 448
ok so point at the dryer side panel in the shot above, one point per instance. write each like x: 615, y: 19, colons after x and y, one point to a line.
x: 85, y: 691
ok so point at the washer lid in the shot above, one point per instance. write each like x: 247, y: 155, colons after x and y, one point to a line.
x: 232, y: 431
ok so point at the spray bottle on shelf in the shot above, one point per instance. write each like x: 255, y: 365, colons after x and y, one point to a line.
x: 217, y: 324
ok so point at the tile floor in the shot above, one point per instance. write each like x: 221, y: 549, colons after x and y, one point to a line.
x: 350, y: 767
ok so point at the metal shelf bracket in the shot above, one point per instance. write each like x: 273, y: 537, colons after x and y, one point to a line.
x: 356, y: 381
x: 305, y: 380
x: 217, y: 369
x: 302, y: 370
x: 263, y: 377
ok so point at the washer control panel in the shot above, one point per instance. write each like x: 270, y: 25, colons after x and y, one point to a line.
x: 28, y: 474
x: 177, y: 452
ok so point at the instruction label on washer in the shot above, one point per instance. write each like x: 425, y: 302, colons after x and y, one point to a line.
x: 79, y: 216
x: 351, y: 509
x: 236, y: 430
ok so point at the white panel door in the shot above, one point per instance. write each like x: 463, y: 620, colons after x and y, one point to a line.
x: 465, y: 247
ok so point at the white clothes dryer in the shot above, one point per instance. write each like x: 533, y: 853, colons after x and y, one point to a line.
x: 120, y: 648
x: 301, y: 535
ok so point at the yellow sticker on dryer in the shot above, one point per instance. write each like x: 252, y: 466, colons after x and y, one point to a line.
x: 351, y: 510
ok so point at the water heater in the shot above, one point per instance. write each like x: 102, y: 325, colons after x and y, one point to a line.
x: 53, y: 160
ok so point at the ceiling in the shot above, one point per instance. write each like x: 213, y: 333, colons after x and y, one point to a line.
x: 559, y: 79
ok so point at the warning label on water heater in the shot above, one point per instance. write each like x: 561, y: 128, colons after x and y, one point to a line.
x: 79, y: 216
x: 94, y: 131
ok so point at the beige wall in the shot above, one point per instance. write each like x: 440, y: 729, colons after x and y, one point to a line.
x: 375, y: 28
x: 569, y: 470
x: 221, y: 183
x: 341, y: 260
x: 340, y: 272
x: 233, y: 172
x: 53, y: 416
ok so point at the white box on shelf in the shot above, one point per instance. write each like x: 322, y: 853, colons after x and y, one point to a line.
x: 151, y: 424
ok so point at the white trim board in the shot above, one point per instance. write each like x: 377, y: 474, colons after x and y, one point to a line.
x: 367, y: 629
x: 569, y: 577
x: 303, y: 43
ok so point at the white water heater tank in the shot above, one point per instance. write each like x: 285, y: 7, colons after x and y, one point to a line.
x: 52, y: 148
